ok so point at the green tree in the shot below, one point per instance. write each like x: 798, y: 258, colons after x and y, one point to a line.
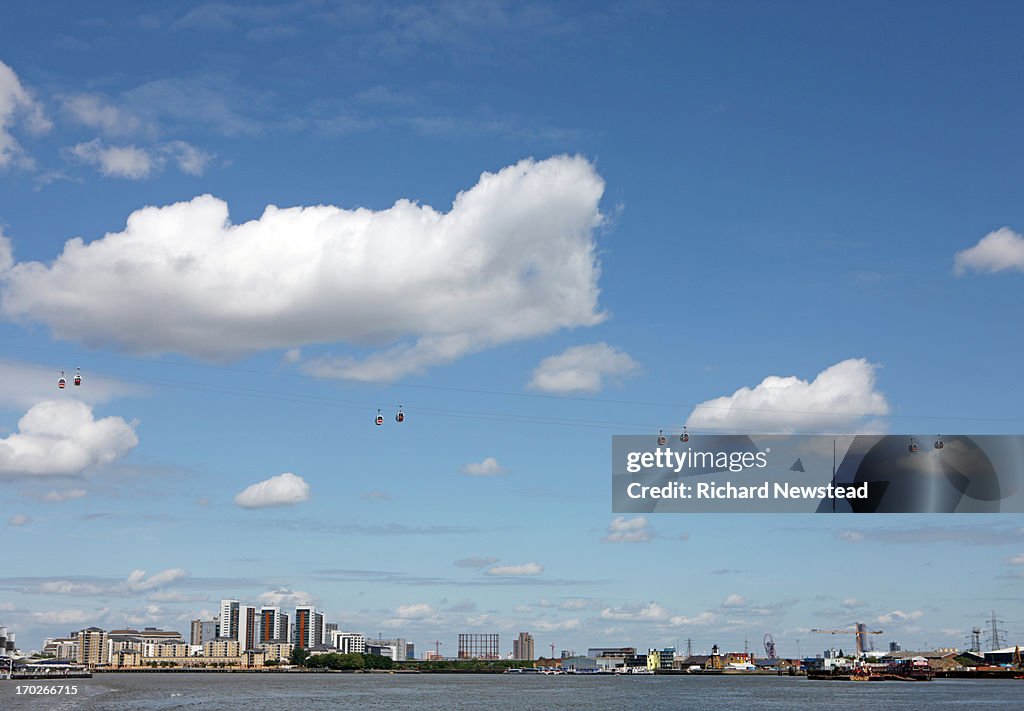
x: 299, y: 656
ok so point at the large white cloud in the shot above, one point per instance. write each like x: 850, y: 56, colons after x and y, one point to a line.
x: 582, y: 369
x: 63, y: 438
x: 996, y: 251
x: 281, y: 490
x: 17, y: 106
x: 842, y: 396
x: 514, y: 258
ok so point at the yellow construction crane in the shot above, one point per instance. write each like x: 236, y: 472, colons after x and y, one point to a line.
x: 860, y: 630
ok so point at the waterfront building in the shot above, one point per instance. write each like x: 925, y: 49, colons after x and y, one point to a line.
x: 7, y: 646
x: 431, y: 656
x: 522, y: 647
x: 165, y: 650
x: 228, y: 619
x: 348, y: 642
x: 309, y: 626
x: 410, y: 650
x: 222, y: 648
x: 398, y: 645
x: 203, y: 631
x: 92, y: 647
x: 62, y: 647
x: 668, y: 658
x: 584, y: 664
x: 248, y: 623
x: 277, y: 651
x: 653, y: 659
x: 273, y: 625
x: 329, y: 627
x: 382, y: 650
x: 479, y: 646
x: 611, y: 651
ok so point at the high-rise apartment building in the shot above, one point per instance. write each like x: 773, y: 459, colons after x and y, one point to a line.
x: 248, y: 627
x: 309, y: 627
x: 92, y: 646
x: 273, y: 625
x: 522, y: 647
x: 228, y: 619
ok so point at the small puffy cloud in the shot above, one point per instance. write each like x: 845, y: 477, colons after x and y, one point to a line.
x: 704, y: 619
x: 513, y: 259
x: 62, y: 438
x: 17, y: 107
x: 56, y: 497
x: 137, y: 163
x: 507, y: 571
x: 281, y: 490
x: 842, y: 396
x: 138, y: 582
x: 850, y: 536
x: 284, y: 597
x: 995, y: 252
x: 582, y: 369
x: 628, y: 530
x: 128, y: 161
x: 488, y: 467
x: 852, y: 603
x: 650, y: 611
x: 1016, y: 559
x: 734, y: 600
x: 18, y: 520
x: 475, y: 562
x: 418, y: 611
x: 899, y: 616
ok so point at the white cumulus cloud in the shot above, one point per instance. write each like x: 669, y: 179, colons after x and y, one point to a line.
x: 18, y: 520
x: 650, y: 611
x: 63, y: 438
x: 281, y: 490
x: 582, y: 369
x: 285, y: 597
x: 842, y: 396
x: 128, y: 161
x: 899, y: 616
x: 995, y: 252
x: 488, y: 467
x: 509, y: 571
x: 628, y: 530
x: 17, y: 107
x: 514, y: 258
x: 417, y: 611
x: 138, y: 582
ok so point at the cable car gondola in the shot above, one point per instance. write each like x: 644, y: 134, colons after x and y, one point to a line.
x: 380, y: 418
x: 913, y: 447
x: 662, y: 439
x: 62, y: 381
x: 684, y: 437
x: 939, y: 443
x: 399, y: 416
x: 78, y: 377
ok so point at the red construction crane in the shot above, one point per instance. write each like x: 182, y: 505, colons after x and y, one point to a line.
x: 437, y: 647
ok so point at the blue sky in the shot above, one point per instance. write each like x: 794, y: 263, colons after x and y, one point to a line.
x: 534, y: 226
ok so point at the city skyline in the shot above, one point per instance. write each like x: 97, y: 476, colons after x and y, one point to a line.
x: 527, y: 229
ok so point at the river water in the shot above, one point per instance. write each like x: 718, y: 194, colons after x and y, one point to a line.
x: 444, y: 692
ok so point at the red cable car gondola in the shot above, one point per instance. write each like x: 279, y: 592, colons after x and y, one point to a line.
x: 78, y: 377
x: 684, y: 437
x: 380, y: 418
x: 62, y: 381
x: 399, y: 416
x: 662, y: 439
